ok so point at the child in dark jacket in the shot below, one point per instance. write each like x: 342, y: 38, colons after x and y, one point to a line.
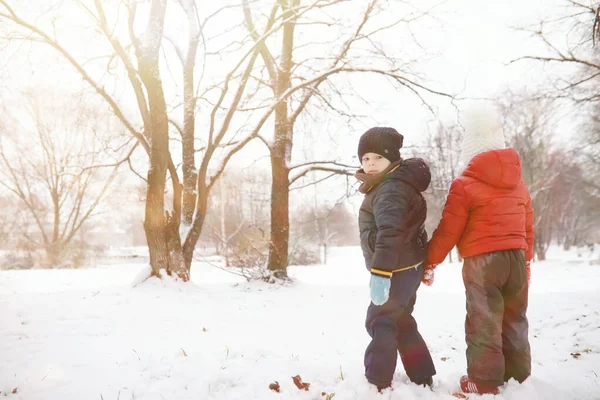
x: 488, y: 215
x: 393, y: 241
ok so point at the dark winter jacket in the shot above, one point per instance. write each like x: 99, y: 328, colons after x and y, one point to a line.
x: 392, y: 219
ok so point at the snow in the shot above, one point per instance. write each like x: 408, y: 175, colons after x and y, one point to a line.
x: 101, y: 333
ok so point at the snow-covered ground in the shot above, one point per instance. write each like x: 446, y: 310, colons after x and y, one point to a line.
x: 95, y: 334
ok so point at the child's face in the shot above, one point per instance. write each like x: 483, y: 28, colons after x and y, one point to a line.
x: 374, y: 163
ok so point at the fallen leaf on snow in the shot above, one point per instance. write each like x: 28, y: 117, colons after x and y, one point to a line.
x: 299, y: 384
x: 275, y: 387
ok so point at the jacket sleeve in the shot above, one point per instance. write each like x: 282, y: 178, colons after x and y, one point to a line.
x: 529, y: 231
x: 451, y: 227
x: 390, y: 207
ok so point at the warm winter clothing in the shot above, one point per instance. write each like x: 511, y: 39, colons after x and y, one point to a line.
x: 380, y: 289
x: 483, y: 132
x: 369, y: 181
x: 394, y: 330
x: 496, y: 326
x: 392, y: 217
x: 383, y: 141
x: 428, y: 274
x: 488, y: 209
x: 488, y: 215
x: 468, y: 386
x: 393, y: 240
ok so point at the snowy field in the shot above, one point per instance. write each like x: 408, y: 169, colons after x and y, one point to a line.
x: 94, y: 334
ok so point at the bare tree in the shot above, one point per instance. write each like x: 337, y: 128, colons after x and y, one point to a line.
x: 576, y: 203
x: 590, y: 148
x: 53, y: 162
x: 571, y: 43
x: 171, y: 234
x: 529, y: 125
x: 570, y: 40
x: 303, y: 82
x: 228, y: 218
x: 443, y: 151
x: 316, y: 227
x: 8, y: 219
x: 237, y: 223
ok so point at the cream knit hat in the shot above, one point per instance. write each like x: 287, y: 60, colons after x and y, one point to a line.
x: 483, y: 132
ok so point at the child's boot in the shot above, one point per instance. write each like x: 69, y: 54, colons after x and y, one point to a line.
x: 468, y: 386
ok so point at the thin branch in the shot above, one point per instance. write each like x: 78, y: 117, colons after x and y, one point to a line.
x: 338, y: 171
x: 176, y: 126
x: 264, y: 50
x: 116, y: 164
x: 315, y: 182
x: 84, y: 74
x: 135, y: 172
x: 557, y: 59
x: 337, y: 164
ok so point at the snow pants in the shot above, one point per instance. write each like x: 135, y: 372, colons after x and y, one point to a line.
x: 393, y: 330
x: 496, y: 327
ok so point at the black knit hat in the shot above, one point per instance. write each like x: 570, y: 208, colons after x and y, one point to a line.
x: 381, y: 140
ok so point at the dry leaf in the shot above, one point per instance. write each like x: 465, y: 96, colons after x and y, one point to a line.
x: 14, y: 391
x: 299, y: 384
x: 459, y: 395
x: 444, y: 358
x: 576, y: 355
x: 203, y: 329
x: 275, y: 387
x: 184, y: 353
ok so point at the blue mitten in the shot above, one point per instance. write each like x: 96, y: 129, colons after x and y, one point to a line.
x: 380, y: 289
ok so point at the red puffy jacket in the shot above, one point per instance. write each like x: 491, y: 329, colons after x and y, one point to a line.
x: 488, y: 209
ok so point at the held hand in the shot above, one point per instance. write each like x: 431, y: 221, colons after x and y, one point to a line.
x: 380, y: 289
x: 428, y: 274
x: 528, y: 268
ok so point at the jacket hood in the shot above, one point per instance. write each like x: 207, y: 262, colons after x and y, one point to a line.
x: 413, y: 171
x: 499, y: 168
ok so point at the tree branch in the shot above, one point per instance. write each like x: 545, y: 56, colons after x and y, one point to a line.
x: 264, y: 50
x: 45, y: 38
x: 337, y: 171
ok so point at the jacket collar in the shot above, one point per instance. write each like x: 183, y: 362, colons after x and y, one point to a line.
x: 369, y: 181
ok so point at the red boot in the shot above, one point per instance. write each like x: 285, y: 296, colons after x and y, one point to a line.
x: 468, y: 386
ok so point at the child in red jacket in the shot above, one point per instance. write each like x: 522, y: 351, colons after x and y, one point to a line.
x: 488, y: 215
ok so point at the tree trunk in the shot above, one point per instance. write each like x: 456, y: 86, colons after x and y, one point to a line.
x: 154, y: 218
x: 280, y: 224
x: 281, y: 154
x: 174, y: 247
x: 224, y: 239
x: 188, y: 159
x: 198, y: 223
x: 540, y: 250
x: 162, y: 229
x: 54, y: 254
x: 541, y: 254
